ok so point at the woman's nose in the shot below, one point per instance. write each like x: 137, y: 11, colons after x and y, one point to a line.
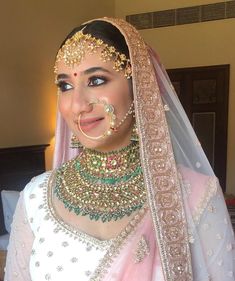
x: 80, y: 102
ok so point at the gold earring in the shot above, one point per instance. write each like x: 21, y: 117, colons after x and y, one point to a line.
x: 75, y: 142
x: 134, y: 134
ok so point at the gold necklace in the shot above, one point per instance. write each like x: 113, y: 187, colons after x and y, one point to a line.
x: 103, y: 186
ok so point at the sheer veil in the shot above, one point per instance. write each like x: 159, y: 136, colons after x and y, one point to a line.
x: 192, y: 229
x: 211, y: 236
x: 187, y: 148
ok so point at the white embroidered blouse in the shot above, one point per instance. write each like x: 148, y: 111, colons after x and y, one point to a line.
x: 49, y: 238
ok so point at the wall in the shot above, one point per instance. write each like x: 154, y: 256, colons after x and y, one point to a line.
x: 200, y: 44
x: 31, y: 32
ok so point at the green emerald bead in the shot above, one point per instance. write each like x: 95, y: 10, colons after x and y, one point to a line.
x: 96, y: 217
x: 111, y: 181
x: 103, y: 218
x: 77, y: 211
x: 77, y: 165
x: 95, y: 173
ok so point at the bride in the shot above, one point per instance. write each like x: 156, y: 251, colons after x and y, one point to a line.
x: 132, y: 195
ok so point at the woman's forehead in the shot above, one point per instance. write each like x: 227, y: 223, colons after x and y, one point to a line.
x: 90, y: 63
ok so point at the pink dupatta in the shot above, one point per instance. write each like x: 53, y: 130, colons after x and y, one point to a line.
x: 124, y: 266
x: 181, y: 207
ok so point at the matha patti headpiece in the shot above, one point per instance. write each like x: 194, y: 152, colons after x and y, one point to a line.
x: 75, y: 48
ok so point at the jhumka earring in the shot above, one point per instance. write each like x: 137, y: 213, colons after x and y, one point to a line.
x: 134, y: 134
x: 75, y: 142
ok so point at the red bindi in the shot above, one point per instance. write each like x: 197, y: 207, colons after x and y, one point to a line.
x: 75, y: 74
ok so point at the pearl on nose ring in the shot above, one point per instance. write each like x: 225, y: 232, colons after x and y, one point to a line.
x: 109, y: 110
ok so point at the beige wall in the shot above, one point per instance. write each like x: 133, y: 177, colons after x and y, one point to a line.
x: 200, y: 44
x: 31, y: 32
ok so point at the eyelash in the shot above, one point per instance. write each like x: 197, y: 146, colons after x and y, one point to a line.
x: 62, y: 86
x: 91, y: 81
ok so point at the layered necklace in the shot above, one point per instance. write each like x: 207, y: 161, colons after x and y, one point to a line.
x: 103, y: 186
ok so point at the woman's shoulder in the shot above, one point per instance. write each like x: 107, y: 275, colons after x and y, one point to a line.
x: 37, y: 183
x: 34, y: 191
x: 34, y: 198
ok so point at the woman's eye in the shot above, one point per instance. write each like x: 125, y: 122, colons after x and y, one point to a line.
x: 64, y: 86
x: 96, y: 81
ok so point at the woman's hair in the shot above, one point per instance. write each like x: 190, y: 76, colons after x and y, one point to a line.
x: 104, y: 31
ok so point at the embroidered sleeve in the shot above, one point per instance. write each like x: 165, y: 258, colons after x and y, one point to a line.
x: 19, y: 249
x: 213, y: 245
x: 210, y: 232
x: 218, y: 239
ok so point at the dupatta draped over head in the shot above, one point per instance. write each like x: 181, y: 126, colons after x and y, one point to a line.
x: 187, y: 224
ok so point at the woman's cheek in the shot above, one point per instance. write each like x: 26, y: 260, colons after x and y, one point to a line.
x: 64, y: 106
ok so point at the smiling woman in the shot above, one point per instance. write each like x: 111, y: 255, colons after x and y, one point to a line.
x: 136, y: 199
x: 95, y: 101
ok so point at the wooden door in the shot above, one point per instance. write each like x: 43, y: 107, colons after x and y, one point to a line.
x: 203, y: 92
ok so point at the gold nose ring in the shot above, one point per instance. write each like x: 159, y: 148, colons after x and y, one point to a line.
x: 109, y: 110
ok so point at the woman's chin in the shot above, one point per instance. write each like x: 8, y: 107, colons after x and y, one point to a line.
x: 93, y: 144
x: 115, y: 141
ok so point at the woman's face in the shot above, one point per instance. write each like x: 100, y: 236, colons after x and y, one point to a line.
x: 91, y: 81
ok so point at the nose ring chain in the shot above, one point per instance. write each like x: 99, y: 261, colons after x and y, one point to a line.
x: 109, y: 110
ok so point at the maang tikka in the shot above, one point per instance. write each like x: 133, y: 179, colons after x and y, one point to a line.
x: 76, y: 47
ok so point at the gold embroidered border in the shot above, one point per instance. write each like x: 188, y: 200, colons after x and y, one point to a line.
x: 160, y: 173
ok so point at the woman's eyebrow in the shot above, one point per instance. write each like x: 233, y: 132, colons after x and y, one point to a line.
x: 95, y: 69
x: 62, y: 76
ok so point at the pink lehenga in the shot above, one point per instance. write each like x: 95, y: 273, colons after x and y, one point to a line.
x: 184, y: 232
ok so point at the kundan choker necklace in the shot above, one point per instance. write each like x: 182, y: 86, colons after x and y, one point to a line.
x: 103, y: 186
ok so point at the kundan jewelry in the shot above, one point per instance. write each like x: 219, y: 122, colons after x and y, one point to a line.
x: 103, y: 186
x: 76, y: 47
x: 109, y: 110
x: 75, y: 143
x: 134, y: 134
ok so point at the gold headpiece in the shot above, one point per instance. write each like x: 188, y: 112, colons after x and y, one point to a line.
x: 75, y: 48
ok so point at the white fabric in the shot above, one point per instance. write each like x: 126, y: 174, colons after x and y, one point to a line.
x: 9, y: 201
x: 49, y: 242
x: 20, y: 246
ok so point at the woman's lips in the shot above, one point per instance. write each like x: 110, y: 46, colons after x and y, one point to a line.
x: 90, y: 123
